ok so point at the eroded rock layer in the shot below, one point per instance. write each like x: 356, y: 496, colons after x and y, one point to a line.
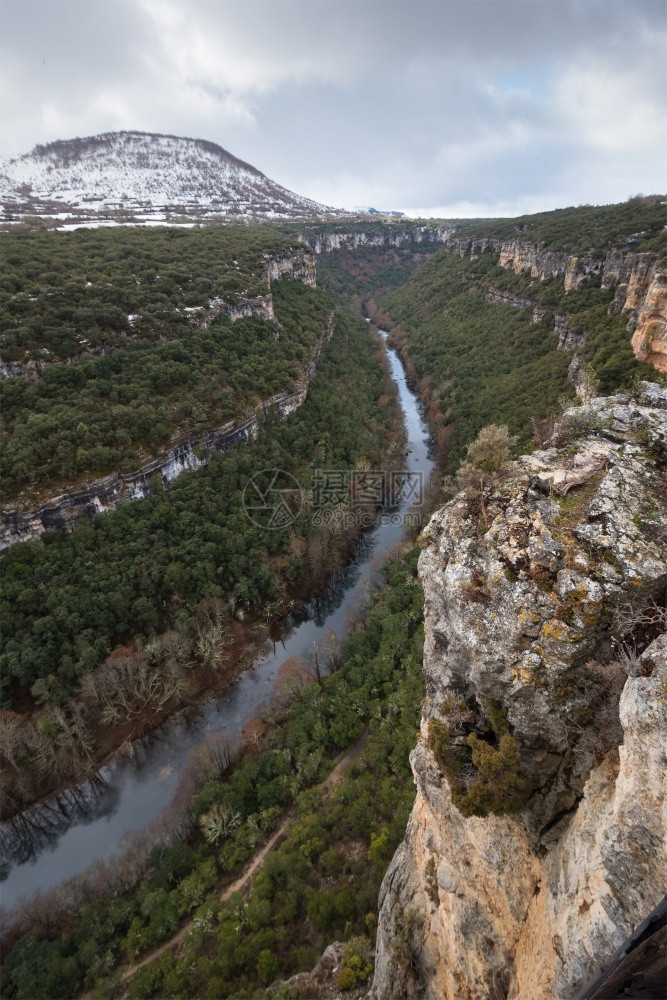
x: 544, y: 633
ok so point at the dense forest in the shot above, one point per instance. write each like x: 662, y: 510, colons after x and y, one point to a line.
x: 352, y: 275
x: 321, y: 884
x: 65, y: 294
x: 113, y: 412
x: 636, y: 224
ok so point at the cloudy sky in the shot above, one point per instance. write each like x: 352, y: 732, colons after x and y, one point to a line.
x: 467, y: 107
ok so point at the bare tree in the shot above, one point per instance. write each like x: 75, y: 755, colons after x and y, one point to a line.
x: 218, y: 822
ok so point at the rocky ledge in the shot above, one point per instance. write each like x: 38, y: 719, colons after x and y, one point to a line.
x: 536, y: 841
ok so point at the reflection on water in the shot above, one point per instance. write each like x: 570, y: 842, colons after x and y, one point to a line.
x: 59, y: 838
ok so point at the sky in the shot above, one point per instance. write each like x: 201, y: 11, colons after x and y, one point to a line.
x: 454, y: 108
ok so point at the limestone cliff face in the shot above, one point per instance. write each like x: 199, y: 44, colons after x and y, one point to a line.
x: 649, y: 340
x: 103, y: 495
x: 299, y: 266
x: 639, y: 278
x: 640, y: 281
x: 520, y: 621
x: 391, y: 235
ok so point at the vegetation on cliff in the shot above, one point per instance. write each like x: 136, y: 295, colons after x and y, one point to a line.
x: 606, y: 342
x: 483, y: 772
x: 172, y: 576
x: 475, y: 362
x: 477, y: 358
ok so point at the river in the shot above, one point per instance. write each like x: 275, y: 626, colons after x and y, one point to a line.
x: 58, y: 838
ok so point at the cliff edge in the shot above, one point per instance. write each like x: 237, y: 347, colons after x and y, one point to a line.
x: 535, y: 844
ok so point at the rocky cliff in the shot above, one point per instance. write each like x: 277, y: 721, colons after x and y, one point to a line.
x: 103, y: 495
x: 298, y: 266
x: 389, y: 235
x: 536, y: 841
x: 640, y: 280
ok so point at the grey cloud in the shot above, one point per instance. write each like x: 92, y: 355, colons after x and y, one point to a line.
x: 414, y: 104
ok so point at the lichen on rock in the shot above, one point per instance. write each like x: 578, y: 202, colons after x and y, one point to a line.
x: 524, y: 620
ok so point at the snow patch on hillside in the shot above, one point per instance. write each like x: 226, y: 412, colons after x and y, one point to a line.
x: 137, y: 172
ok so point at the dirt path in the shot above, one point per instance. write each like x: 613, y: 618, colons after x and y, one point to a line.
x: 241, y: 882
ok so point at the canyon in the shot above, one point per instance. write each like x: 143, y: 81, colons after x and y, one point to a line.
x: 640, y: 281
x: 534, y: 846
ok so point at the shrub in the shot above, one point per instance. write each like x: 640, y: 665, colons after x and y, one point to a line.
x: 355, y: 964
x: 484, y: 779
x: 267, y: 966
x: 347, y: 979
x: 498, y: 787
x: 432, y: 882
x: 489, y: 462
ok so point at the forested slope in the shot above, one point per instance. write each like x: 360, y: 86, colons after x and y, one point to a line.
x: 127, y: 354
x: 637, y: 223
x: 64, y: 294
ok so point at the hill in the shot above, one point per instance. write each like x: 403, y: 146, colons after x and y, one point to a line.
x: 141, y: 173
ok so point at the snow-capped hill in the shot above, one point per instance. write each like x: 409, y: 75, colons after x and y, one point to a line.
x: 139, y: 172
x: 369, y: 210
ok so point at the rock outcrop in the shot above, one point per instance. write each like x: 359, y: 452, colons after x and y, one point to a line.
x: 498, y: 298
x: 649, y: 340
x: 321, y: 983
x: 530, y: 858
x: 61, y: 513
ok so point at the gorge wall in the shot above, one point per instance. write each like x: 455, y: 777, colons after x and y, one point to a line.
x: 640, y: 280
x: 61, y: 513
x: 390, y: 235
x: 536, y: 841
